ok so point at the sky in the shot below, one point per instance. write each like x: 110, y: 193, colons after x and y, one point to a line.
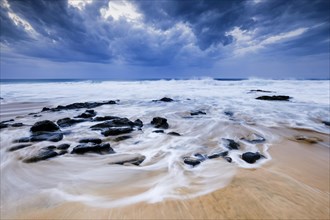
x: 145, y: 39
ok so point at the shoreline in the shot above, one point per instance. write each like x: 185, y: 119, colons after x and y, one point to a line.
x: 293, y: 185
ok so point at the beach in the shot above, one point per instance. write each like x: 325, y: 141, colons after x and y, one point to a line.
x: 290, y: 181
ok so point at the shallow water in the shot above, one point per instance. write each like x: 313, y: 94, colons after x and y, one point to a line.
x: 91, y: 179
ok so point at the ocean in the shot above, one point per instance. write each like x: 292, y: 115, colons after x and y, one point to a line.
x: 231, y: 112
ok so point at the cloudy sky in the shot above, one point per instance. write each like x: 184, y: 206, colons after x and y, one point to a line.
x: 146, y: 39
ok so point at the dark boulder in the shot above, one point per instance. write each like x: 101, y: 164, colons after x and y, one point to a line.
x: 231, y: 144
x: 67, y: 122
x: 3, y: 125
x: 116, y: 131
x: 122, y: 138
x: 159, y: 122
x: 173, y: 133
x: 191, y: 161
x: 138, y: 123
x: 158, y: 131
x: 16, y: 125
x: 17, y: 147
x: 52, y: 147
x: 79, y: 105
x: 42, y: 154
x: 197, y: 113
x: 251, y: 157
x: 91, y: 140
x: 93, y: 148
x: 44, y: 126
x: 63, y: 146
x: 117, y: 122
x: 90, y: 113
x: 274, y: 98
x: 327, y: 123
x: 216, y: 155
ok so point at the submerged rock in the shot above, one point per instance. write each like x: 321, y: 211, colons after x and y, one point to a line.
x: 231, y: 144
x: 274, y: 98
x: 259, y: 90
x: 93, y: 148
x: 159, y: 122
x: 164, y: 99
x: 229, y: 160
x: 42, y: 136
x: 327, y: 123
x: 116, y: 122
x: 251, y: 157
x: 105, y: 118
x: 254, y: 139
x: 89, y: 113
x: 63, y: 146
x: 17, y: 147
x: 122, y: 138
x: 116, y: 131
x: 191, y: 161
x: 91, y: 140
x: 42, y: 154
x: 200, y: 157
x: 44, y: 126
x: 3, y: 125
x: 229, y: 113
x: 79, y: 105
x: 308, y: 140
x: 197, y: 113
x: 67, y: 122
x: 173, y: 133
x: 16, y: 125
x: 216, y: 155
x: 135, y: 159
x: 158, y: 131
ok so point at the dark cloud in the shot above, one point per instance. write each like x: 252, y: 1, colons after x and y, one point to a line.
x: 172, y: 32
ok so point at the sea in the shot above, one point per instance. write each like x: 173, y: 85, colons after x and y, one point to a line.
x: 231, y: 112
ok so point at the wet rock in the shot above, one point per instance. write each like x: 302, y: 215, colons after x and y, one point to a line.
x: 105, y: 118
x: 158, y: 131
x: 44, y: 126
x: 191, y: 161
x: 274, y: 98
x: 197, y: 113
x: 327, y: 123
x: 135, y: 159
x: 42, y: 154
x: 6, y: 121
x: 116, y: 131
x: 138, y: 123
x: 164, y: 99
x: 3, y: 125
x: 254, y: 139
x: 47, y: 136
x: 228, y: 159
x: 260, y: 90
x: 308, y: 140
x: 16, y: 125
x: 67, y: 122
x: 90, y: 113
x: 17, y: 147
x: 93, y: 148
x: 52, y: 147
x: 79, y: 105
x: 122, y: 138
x: 229, y: 113
x: 251, y: 157
x: 216, y: 155
x: 63, y: 146
x: 37, y: 116
x: 173, y: 133
x: 117, y: 122
x: 231, y: 144
x: 200, y: 157
x: 91, y: 140
x: 159, y: 122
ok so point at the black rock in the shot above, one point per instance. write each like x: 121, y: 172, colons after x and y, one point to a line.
x: 121, y: 138
x: 17, y: 147
x: 3, y: 125
x: 216, y: 155
x: 93, y: 148
x: 46, y: 125
x: 158, y: 131
x: 197, y: 113
x: 90, y: 113
x: 116, y: 131
x: 43, y: 154
x: 91, y: 140
x: 63, y: 146
x: 62, y: 152
x: 105, y: 118
x: 228, y: 159
x: 159, y: 122
x: 191, y: 161
x: 117, y: 122
x: 67, y: 122
x: 10, y: 120
x: 79, y: 105
x: 135, y: 159
x: 250, y: 157
x: 274, y: 98
x: 52, y: 147
x: 259, y: 90
x: 327, y: 123
x: 138, y: 123
x: 47, y: 136
x: 173, y: 133
x: 231, y: 144
x: 15, y: 125
x: 229, y: 113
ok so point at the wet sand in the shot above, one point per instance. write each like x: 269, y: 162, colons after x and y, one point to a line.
x: 293, y: 185
x: 19, y: 109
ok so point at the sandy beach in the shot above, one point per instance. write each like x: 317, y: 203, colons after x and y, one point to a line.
x: 293, y: 185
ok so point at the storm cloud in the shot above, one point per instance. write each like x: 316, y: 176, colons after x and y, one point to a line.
x: 164, y: 33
